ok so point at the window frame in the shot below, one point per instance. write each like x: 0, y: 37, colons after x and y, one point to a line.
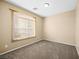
x: 13, y: 27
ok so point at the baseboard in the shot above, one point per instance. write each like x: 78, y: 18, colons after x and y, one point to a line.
x: 61, y: 42
x: 19, y: 47
x: 77, y: 48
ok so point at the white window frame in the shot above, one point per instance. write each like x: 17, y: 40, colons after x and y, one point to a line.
x: 25, y: 17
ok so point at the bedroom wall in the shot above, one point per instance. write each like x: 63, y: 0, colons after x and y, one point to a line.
x: 6, y: 43
x: 77, y: 26
x: 60, y: 28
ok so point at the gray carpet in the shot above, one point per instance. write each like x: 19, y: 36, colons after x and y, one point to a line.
x: 43, y: 50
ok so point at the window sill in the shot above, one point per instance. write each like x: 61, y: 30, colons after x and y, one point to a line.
x: 24, y: 38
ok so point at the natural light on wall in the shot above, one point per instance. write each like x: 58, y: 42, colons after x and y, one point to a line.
x: 23, y: 26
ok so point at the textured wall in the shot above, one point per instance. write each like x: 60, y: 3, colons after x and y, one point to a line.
x: 5, y: 28
x: 60, y: 28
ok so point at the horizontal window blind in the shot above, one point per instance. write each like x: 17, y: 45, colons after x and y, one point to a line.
x: 23, y: 26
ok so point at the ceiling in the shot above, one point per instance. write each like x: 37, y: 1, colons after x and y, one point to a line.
x: 38, y: 7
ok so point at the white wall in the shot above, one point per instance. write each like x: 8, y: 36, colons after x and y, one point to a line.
x: 60, y: 28
x: 77, y: 26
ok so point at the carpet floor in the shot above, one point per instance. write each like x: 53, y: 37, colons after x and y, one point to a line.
x: 43, y: 50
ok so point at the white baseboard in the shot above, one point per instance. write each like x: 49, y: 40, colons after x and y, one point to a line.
x: 19, y: 47
x: 77, y: 48
x: 62, y: 42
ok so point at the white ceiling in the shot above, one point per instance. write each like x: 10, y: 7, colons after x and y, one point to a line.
x: 55, y: 7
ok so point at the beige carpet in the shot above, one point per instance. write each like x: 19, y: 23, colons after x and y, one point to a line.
x: 43, y: 50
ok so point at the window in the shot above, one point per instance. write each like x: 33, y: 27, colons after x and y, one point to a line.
x: 23, y: 26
